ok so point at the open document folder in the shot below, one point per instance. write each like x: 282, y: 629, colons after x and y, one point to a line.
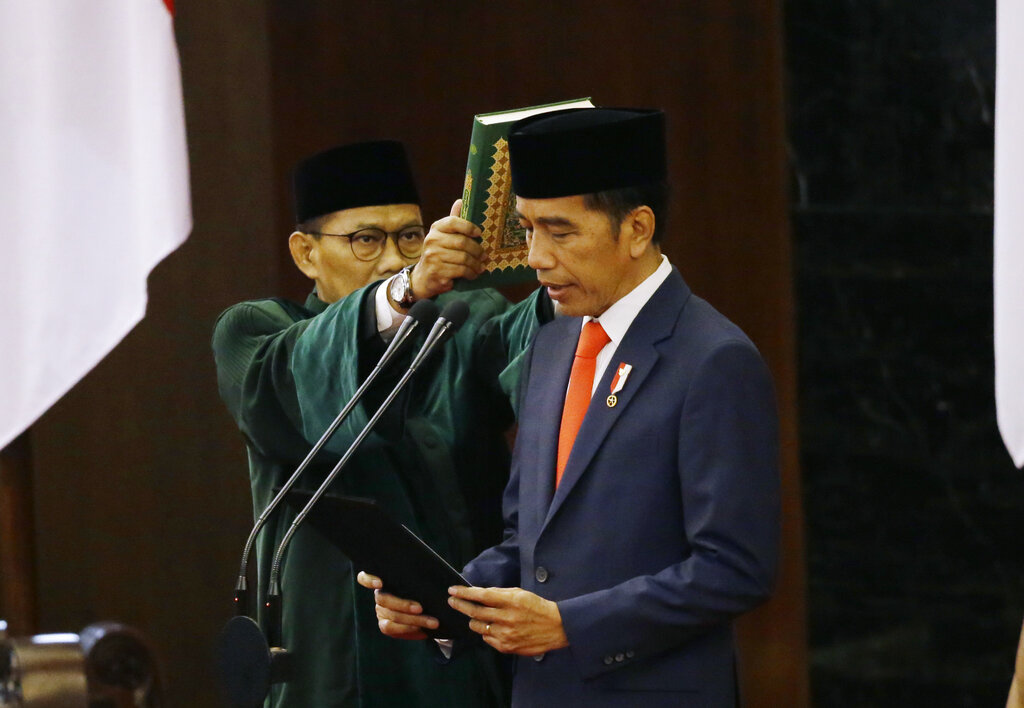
x: 381, y: 546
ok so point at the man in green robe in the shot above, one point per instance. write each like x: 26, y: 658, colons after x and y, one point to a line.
x: 437, y: 462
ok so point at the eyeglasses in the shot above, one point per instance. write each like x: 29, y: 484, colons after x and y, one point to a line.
x: 368, y: 244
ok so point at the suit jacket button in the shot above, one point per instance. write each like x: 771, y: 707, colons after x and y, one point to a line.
x: 630, y: 654
x: 539, y: 658
x: 608, y: 661
x: 620, y: 657
x: 541, y: 574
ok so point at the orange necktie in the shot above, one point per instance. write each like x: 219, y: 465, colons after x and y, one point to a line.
x: 577, y: 398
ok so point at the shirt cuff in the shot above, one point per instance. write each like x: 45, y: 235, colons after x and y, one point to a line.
x: 388, y: 320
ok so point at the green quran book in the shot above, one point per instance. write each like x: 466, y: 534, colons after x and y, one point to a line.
x: 487, y: 198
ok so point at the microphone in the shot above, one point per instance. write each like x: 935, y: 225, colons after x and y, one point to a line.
x: 454, y: 315
x: 421, y: 312
x: 250, y: 662
x: 451, y: 318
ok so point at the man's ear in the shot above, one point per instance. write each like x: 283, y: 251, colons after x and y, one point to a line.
x: 302, y: 247
x: 638, y: 227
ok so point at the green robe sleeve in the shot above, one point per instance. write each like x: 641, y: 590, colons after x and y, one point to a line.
x: 478, y: 370
x: 252, y: 345
x: 503, y: 342
x: 262, y: 370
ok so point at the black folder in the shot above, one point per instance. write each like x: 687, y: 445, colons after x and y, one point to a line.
x: 379, y: 545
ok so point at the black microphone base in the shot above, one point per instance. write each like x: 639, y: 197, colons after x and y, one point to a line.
x: 248, y: 665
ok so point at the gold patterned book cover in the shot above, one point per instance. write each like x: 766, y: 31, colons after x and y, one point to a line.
x: 487, y: 197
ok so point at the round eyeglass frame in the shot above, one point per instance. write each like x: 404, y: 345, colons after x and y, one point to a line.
x: 395, y: 235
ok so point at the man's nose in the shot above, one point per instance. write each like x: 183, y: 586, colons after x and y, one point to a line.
x: 390, y: 260
x: 540, y: 256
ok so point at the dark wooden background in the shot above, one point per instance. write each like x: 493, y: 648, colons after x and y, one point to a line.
x: 139, y: 496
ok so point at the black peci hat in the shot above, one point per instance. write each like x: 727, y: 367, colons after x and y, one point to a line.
x: 349, y: 176
x: 586, y: 150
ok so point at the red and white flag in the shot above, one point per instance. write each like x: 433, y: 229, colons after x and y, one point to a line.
x: 1008, y: 281
x: 93, y: 186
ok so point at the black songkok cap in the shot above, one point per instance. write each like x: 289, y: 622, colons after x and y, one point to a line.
x: 586, y: 150
x: 357, y: 175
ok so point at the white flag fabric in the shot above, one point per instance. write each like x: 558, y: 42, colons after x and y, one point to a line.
x: 93, y: 186
x: 1008, y: 281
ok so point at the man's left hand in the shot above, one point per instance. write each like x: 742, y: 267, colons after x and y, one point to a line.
x: 512, y: 620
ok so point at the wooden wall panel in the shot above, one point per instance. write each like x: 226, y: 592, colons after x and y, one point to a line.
x: 18, y: 591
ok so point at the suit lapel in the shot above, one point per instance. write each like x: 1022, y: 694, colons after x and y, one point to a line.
x: 549, y: 377
x: 652, y: 324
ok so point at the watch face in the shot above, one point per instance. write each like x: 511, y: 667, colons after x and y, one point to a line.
x: 397, y: 287
x: 400, y: 287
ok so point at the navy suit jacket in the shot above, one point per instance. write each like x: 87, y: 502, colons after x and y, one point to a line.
x: 665, y: 525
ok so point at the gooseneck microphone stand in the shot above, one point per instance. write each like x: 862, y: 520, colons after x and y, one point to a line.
x: 451, y: 318
x: 424, y: 311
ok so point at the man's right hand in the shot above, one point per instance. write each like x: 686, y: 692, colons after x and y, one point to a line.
x: 397, y: 617
x: 451, y: 250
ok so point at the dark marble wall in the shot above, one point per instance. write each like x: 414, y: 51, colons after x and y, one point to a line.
x: 914, y: 511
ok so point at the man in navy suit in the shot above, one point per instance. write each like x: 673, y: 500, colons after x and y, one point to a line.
x: 642, y: 513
